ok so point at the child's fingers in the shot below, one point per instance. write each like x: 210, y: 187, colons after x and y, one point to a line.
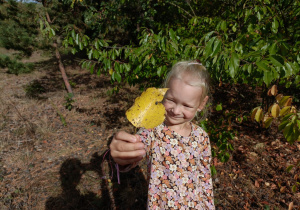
x: 123, y: 146
x: 123, y: 149
x: 124, y: 136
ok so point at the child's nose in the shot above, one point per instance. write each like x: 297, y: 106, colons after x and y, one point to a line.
x: 176, y: 109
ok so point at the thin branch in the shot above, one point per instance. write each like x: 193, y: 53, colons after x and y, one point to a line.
x: 188, y: 2
x: 181, y: 9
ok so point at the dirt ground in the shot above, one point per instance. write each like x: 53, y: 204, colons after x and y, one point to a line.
x: 53, y: 158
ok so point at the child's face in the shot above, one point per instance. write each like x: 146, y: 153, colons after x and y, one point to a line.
x: 181, y: 102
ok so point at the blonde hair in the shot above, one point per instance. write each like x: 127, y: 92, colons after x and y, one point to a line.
x: 194, y: 74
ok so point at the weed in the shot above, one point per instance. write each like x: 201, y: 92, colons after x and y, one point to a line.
x: 62, y: 118
x: 69, y: 101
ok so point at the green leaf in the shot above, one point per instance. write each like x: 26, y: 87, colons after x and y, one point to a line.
x: 289, y: 168
x: 288, y: 69
x: 234, y: 65
x: 287, y: 131
x: 219, y: 107
x: 96, y: 45
x: 206, y: 37
x: 268, y: 122
x: 77, y: 39
x: 70, y: 40
x: 217, y: 47
x: 73, y: 33
x: 73, y: 51
x: 275, y: 25
x: 259, y: 16
x: 90, y: 54
x: 234, y: 28
x: 236, y: 60
x: 284, y: 110
x: 285, y: 118
x: 268, y: 77
x: 117, y: 76
x: 80, y: 45
x: 163, y: 44
x: 223, y: 26
x: 213, y: 170
x: 174, y: 45
x: 282, y: 125
x: 273, y: 49
x: 209, y: 47
x: 277, y: 60
x: 283, y: 100
x: 294, y: 189
x: 172, y: 36
x: 159, y: 71
x: 262, y: 65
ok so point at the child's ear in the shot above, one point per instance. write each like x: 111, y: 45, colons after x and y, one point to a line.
x: 203, y: 103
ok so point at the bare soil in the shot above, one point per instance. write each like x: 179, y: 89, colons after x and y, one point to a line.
x: 53, y: 158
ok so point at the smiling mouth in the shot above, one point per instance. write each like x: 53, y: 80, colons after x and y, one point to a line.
x: 174, y: 117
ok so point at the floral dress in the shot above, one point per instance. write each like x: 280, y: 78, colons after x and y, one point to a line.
x: 178, y: 168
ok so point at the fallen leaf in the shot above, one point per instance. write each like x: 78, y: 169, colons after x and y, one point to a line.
x: 291, y: 205
x: 147, y: 110
x: 282, y: 189
x: 256, y: 184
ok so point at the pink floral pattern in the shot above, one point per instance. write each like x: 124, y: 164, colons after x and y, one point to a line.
x: 178, y: 169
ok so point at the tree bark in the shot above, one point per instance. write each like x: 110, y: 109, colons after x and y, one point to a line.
x: 62, y: 69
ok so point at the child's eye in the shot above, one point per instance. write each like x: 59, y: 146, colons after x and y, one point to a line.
x: 169, y: 99
x: 188, y: 106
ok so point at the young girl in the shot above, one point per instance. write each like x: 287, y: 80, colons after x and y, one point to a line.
x: 178, y: 152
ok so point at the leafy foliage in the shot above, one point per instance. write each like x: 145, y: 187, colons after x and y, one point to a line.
x: 283, y: 111
x: 14, y: 66
x: 221, y: 133
x: 253, y: 42
x: 18, y: 29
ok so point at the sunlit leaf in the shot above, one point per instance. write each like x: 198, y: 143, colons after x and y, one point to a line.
x: 259, y: 115
x: 253, y: 113
x: 288, y: 102
x: 284, y: 110
x: 267, y: 122
x: 275, y: 110
x: 274, y: 90
x: 283, y: 100
x: 279, y: 97
x: 147, y: 110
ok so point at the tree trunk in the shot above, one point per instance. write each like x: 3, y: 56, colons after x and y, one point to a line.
x: 62, y: 69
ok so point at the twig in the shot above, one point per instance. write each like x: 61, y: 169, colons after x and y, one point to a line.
x: 188, y: 2
x: 181, y: 9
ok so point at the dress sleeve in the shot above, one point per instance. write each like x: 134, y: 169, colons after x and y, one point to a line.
x: 206, y: 179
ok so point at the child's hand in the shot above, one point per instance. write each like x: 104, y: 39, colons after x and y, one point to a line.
x: 126, y: 148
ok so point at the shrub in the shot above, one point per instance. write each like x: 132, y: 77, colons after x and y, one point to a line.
x: 14, y: 66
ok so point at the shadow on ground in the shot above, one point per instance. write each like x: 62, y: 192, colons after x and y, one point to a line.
x: 131, y: 193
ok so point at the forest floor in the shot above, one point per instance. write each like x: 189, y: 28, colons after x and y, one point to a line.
x: 53, y: 158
